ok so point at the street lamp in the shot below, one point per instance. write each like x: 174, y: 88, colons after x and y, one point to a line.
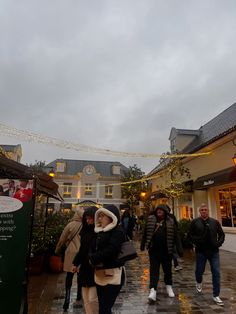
x: 234, y: 159
x: 143, y: 194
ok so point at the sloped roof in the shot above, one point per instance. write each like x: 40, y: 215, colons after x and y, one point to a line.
x: 175, y: 131
x: 102, y: 167
x: 222, y: 124
x: 10, y: 148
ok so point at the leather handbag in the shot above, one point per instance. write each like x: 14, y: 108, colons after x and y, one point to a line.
x: 127, y: 252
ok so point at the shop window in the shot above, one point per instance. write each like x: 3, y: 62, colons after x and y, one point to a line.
x: 227, y: 201
x: 186, y: 212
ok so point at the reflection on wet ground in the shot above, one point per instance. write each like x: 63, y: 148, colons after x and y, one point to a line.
x: 133, y: 297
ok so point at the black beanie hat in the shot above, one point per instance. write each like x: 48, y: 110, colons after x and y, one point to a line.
x: 163, y: 207
x: 90, y: 211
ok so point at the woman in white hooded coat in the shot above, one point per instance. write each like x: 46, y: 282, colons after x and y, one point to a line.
x: 70, y: 238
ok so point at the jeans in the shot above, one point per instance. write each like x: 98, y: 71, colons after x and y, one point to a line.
x: 214, y: 261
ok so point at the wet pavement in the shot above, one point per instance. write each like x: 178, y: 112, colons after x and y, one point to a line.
x: 133, y: 297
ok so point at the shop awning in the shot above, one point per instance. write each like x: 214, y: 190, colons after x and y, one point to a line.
x: 157, y: 195
x: 11, y: 169
x: 216, y: 178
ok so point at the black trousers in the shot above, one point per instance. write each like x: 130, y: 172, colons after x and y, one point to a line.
x: 107, y: 296
x: 68, y: 284
x: 165, y: 260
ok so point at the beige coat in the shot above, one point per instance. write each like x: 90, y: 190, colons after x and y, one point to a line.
x: 72, y: 246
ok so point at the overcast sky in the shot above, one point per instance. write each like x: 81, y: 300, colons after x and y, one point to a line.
x: 114, y: 74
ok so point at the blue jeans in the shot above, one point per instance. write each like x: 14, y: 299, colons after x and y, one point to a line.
x: 214, y: 261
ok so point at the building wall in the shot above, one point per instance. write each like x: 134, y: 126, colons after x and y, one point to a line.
x: 78, y: 188
x: 221, y: 158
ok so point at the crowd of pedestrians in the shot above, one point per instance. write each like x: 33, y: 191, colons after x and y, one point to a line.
x: 102, y: 231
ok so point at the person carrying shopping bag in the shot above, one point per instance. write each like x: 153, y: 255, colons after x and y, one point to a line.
x: 109, y: 271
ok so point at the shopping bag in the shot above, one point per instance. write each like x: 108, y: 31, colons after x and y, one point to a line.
x: 127, y: 252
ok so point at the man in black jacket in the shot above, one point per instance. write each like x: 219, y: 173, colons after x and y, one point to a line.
x: 207, y: 236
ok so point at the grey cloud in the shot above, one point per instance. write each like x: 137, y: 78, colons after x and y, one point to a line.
x: 115, y: 75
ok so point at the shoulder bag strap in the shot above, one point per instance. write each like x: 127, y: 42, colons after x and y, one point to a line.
x: 71, y: 238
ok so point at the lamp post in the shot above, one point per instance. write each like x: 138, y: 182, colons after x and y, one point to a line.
x: 51, y: 173
x: 234, y: 159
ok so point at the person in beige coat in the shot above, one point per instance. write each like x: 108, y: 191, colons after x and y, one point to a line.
x: 70, y: 238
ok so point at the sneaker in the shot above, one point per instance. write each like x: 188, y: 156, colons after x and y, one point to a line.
x: 199, y: 287
x: 170, y: 291
x: 218, y: 300
x: 177, y: 268
x: 152, y: 295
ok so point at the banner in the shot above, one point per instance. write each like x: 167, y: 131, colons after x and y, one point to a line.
x: 15, y: 220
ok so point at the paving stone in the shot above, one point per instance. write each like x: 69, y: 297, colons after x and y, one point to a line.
x: 133, y: 297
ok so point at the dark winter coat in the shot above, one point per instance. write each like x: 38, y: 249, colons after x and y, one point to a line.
x: 86, y: 270
x: 171, y: 234
x: 207, y: 235
x: 108, y: 241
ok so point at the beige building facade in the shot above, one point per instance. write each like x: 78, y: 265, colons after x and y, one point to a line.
x: 13, y: 152
x: 213, y: 176
x: 86, y: 180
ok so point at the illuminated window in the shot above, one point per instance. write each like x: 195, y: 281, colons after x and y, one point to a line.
x: 66, y: 208
x: 88, y: 189
x: 108, y: 191
x: 67, y: 189
x: 227, y: 200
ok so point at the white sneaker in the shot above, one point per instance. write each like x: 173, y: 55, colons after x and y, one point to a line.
x: 218, y: 300
x: 178, y: 268
x: 170, y: 291
x: 199, y: 287
x: 152, y: 295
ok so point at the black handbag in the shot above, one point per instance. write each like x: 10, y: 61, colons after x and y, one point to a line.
x: 127, y: 252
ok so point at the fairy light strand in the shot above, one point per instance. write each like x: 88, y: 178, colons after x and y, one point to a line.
x: 37, y: 138
x: 118, y: 183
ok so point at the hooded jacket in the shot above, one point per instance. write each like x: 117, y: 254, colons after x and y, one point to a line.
x: 172, y: 237
x: 70, y: 237
x: 108, y: 241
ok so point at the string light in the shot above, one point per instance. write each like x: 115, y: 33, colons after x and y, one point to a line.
x: 33, y: 137
x: 118, y: 183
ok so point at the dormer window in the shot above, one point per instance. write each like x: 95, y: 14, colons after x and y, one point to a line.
x: 61, y: 167
x: 115, y: 169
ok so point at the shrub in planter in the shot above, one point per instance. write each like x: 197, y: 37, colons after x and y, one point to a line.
x: 56, y: 222
x: 45, y: 235
x: 184, y: 225
x: 38, y: 249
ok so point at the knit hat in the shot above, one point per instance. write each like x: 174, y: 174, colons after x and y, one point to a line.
x: 163, y: 207
x: 90, y: 211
